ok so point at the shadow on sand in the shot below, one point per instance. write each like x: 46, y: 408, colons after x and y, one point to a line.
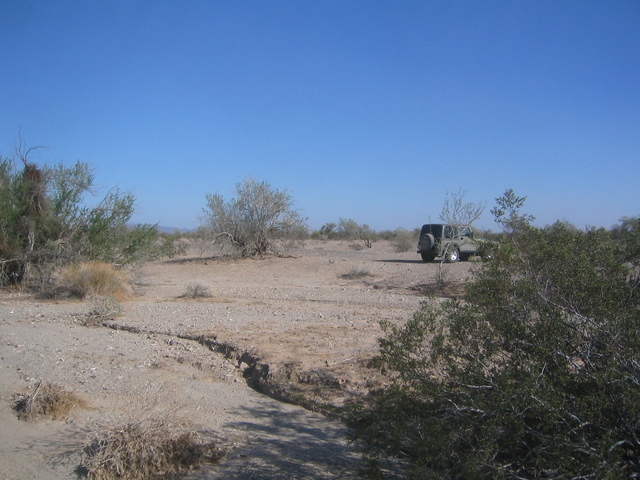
x: 286, y: 442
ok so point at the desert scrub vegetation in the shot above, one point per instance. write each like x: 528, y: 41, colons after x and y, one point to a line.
x: 47, y: 400
x: 357, y: 272
x: 534, y: 374
x: 101, y: 309
x: 196, y: 290
x: 46, y: 223
x: 347, y: 229
x: 458, y: 213
x: 252, y: 222
x: 96, y: 279
x: 146, y: 438
x: 403, y: 240
x: 147, y: 449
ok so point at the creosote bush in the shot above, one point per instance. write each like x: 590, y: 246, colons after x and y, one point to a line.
x: 534, y: 374
x: 46, y: 401
x: 94, y: 279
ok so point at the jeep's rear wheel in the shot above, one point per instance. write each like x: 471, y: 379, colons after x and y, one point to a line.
x: 452, y: 256
x: 427, y: 258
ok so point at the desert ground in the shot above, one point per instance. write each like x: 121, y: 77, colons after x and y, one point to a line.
x: 261, y: 364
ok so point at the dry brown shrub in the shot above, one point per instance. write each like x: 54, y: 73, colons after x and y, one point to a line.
x: 95, y: 278
x: 196, y: 290
x: 357, y: 272
x: 145, y: 450
x: 47, y: 400
x: 147, y: 439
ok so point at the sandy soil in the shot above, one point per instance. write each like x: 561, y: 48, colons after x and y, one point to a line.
x: 299, y: 327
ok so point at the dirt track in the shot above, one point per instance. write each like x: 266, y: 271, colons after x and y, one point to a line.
x: 299, y: 327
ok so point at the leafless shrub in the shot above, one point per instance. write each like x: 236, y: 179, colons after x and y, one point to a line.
x: 145, y: 450
x: 457, y: 213
x: 442, y: 276
x: 46, y: 400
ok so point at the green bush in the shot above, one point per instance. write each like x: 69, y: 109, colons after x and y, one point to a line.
x: 45, y: 223
x: 627, y: 234
x: 534, y: 375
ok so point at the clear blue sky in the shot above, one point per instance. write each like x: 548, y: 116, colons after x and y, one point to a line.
x: 370, y: 110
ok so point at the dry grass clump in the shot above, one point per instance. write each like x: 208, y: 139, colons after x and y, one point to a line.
x: 196, y: 290
x: 94, y: 278
x: 146, y: 450
x: 357, y: 272
x: 46, y: 400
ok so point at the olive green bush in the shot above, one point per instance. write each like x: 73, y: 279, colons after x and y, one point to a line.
x: 535, y: 374
x: 627, y: 234
x: 46, y: 222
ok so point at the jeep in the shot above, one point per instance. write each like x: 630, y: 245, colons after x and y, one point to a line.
x: 450, y: 242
